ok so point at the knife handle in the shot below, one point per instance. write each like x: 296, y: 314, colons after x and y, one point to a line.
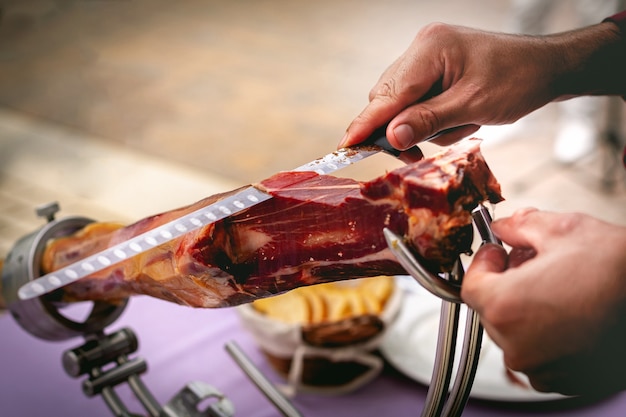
x: 379, y: 137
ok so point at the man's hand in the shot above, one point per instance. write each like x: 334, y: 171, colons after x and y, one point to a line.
x: 556, y: 304
x: 456, y: 77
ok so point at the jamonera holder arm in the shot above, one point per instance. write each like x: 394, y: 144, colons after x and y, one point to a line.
x: 448, y: 288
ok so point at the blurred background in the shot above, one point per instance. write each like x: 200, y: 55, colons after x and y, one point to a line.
x: 124, y: 108
x: 119, y: 109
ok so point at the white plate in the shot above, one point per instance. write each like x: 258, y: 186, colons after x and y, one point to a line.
x: 411, y: 341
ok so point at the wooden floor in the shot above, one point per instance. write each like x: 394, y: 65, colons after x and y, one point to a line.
x: 125, y: 108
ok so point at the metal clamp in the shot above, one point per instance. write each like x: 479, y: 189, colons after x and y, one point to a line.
x: 186, y: 402
x: 42, y: 316
x: 448, y: 287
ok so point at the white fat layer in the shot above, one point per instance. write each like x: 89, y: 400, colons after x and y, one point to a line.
x: 251, y: 240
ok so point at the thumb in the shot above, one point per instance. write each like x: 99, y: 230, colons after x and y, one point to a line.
x: 444, y: 112
x: 489, y: 260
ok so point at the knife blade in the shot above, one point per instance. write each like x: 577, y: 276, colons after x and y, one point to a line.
x: 377, y: 142
x: 204, y: 216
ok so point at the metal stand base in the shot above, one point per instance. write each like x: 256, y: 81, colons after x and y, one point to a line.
x: 100, y: 351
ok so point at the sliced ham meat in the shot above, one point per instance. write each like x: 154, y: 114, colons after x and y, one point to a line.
x: 315, y: 229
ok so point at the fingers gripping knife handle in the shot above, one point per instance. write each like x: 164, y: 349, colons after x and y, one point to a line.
x: 408, y: 156
x: 379, y: 137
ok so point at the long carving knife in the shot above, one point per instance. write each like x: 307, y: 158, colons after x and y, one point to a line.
x: 212, y: 213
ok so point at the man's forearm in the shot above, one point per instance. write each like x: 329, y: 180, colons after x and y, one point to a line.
x: 591, y: 61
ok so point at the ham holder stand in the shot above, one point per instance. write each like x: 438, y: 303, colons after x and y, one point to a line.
x: 43, y: 318
x: 104, y: 358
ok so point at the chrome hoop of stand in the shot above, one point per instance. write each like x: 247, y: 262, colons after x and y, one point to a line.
x: 441, y: 400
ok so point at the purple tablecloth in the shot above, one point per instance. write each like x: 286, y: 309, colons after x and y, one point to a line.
x: 182, y: 345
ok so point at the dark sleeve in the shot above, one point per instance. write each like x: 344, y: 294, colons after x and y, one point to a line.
x: 619, y: 19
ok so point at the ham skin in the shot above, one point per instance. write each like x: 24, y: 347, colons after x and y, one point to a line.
x: 315, y: 229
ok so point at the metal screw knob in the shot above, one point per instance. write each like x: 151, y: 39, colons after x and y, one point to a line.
x: 48, y: 210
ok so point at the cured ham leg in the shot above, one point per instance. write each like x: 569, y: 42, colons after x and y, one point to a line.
x: 315, y: 229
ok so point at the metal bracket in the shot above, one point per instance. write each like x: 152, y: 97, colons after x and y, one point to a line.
x: 440, y: 402
x: 186, y: 402
x: 100, y: 351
